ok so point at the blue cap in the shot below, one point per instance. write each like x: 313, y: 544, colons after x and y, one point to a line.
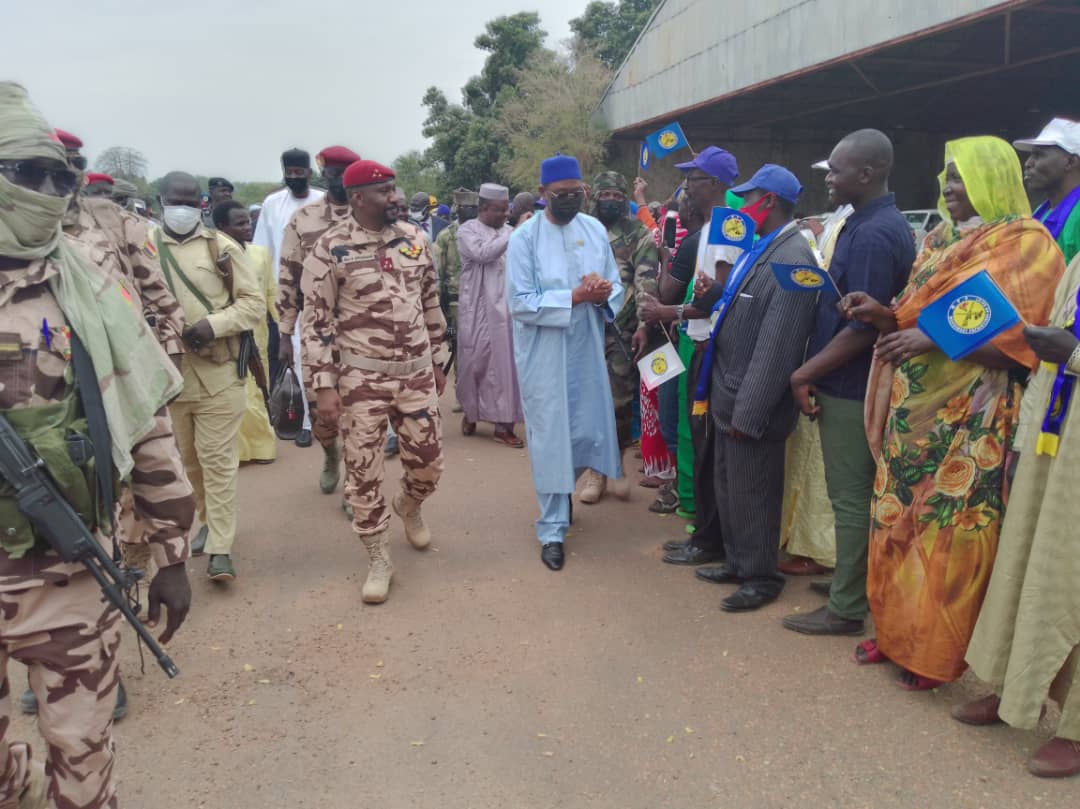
x: 715, y: 162
x: 775, y: 179
x: 559, y: 167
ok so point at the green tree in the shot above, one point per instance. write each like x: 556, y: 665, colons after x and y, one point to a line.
x: 552, y: 110
x: 416, y: 173
x: 610, y: 29
x: 122, y: 162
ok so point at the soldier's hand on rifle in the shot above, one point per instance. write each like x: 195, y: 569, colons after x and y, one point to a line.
x: 285, y: 350
x: 199, y: 335
x: 171, y: 589
x: 328, y: 403
x: 440, y: 379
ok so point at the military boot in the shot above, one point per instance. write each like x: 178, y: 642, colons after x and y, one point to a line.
x: 593, y: 486
x: 380, y: 569
x: 408, y: 509
x: 331, y: 468
x: 346, y: 506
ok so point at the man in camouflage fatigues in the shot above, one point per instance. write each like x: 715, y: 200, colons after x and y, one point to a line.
x: 375, y: 340
x: 638, y: 259
x: 305, y: 228
x: 447, y: 258
x: 51, y: 612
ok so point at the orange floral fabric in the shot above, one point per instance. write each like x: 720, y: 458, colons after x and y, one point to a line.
x: 939, y: 432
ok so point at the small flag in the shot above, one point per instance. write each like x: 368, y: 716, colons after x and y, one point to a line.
x: 660, y: 365
x: 646, y: 156
x: 803, y: 278
x: 728, y: 226
x: 664, y: 141
x: 968, y: 316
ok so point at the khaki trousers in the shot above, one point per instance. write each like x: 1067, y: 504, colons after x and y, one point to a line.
x: 207, y: 433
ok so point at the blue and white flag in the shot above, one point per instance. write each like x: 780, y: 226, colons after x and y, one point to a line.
x: 664, y: 141
x: 646, y: 156
x: 730, y: 227
x: 969, y: 316
x: 803, y: 278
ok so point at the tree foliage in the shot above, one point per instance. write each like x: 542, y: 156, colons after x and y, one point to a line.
x: 122, y: 162
x: 552, y: 110
x: 416, y: 173
x: 609, y: 29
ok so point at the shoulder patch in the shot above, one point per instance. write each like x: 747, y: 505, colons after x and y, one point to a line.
x: 149, y: 249
x: 339, y: 251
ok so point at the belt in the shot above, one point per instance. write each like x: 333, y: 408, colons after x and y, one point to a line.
x: 388, y: 367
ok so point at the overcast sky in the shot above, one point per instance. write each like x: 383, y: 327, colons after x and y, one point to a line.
x: 220, y: 87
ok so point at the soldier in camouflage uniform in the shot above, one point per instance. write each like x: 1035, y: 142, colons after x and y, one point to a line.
x: 305, y: 228
x: 638, y: 260
x: 447, y: 259
x: 51, y: 613
x: 376, y: 343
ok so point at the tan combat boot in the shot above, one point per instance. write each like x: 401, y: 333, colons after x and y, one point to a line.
x: 593, y: 486
x: 331, y: 470
x: 408, y: 509
x: 380, y: 569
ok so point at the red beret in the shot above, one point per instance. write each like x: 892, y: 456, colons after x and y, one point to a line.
x: 336, y: 156
x: 366, y: 172
x: 70, y: 141
x: 98, y: 177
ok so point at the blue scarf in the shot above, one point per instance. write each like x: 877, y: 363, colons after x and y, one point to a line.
x: 1060, y: 397
x: 720, y: 308
x: 1055, y: 221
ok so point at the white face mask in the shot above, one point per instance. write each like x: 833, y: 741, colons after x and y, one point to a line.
x: 181, y: 219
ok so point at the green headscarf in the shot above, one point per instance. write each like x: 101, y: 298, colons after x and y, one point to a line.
x: 992, y: 176
x: 135, y: 376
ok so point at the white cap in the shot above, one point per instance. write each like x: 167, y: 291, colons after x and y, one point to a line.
x: 1060, y: 132
x: 494, y: 192
x: 821, y: 165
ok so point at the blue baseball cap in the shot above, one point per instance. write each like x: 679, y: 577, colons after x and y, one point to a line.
x: 715, y: 162
x: 775, y: 179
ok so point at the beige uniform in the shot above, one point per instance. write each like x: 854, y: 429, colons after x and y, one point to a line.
x: 208, y: 413
x: 373, y: 330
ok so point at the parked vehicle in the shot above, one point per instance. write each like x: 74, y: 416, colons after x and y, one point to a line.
x: 921, y: 223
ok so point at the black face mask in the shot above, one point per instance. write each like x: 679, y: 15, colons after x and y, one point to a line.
x: 335, y: 187
x: 298, y: 185
x: 610, y: 211
x: 563, y: 211
x: 467, y: 212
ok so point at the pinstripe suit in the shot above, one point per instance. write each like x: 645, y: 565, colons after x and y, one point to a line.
x: 761, y: 342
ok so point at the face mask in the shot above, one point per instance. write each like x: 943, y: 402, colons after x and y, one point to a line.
x: 757, y: 212
x: 610, y: 211
x: 298, y: 185
x: 466, y: 213
x: 336, y: 189
x: 418, y: 216
x: 180, y: 219
x: 30, y: 223
x: 563, y: 211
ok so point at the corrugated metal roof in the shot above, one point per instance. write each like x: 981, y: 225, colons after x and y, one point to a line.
x: 697, y: 51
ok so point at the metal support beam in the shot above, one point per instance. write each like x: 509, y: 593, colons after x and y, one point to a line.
x: 864, y: 77
x: 1008, y: 37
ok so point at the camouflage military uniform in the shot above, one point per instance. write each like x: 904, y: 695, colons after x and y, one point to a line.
x: 448, y: 264
x: 118, y: 241
x: 305, y: 228
x: 374, y: 299
x: 638, y: 260
x: 53, y: 619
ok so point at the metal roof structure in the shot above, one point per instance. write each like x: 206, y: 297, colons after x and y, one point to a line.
x: 911, y: 64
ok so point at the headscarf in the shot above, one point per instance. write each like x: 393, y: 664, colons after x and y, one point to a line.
x: 992, y: 177
x: 135, y: 377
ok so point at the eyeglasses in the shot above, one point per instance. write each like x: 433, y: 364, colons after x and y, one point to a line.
x: 698, y: 178
x: 566, y: 196
x: 32, y: 175
x: 78, y: 161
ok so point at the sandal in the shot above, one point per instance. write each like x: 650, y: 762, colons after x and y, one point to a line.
x: 666, y: 501
x: 467, y: 427
x: 910, y: 681
x: 509, y: 439
x: 868, y: 653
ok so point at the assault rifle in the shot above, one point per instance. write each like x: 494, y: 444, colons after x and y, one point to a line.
x: 57, y: 523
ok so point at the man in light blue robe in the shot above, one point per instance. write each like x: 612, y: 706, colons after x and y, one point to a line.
x: 563, y: 287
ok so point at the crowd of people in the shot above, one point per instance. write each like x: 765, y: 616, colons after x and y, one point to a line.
x: 809, y: 432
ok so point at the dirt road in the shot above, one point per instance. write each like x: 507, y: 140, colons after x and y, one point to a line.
x: 487, y: 681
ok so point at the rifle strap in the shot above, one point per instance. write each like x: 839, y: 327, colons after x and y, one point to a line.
x: 86, y: 382
x: 172, y: 267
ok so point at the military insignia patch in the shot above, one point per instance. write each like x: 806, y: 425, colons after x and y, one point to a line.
x: 387, y: 263
x: 411, y: 250
x: 149, y: 249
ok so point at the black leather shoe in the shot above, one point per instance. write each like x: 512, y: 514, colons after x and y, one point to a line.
x: 720, y: 574
x: 303, y: 439
x: 676, y: 544
x: 551, y: 554
x: 822, y: 622
x: 693, y: 555
x: 822, y: 587
x: 746, y: 598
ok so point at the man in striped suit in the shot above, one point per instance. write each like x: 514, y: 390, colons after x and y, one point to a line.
x: 759, y: 342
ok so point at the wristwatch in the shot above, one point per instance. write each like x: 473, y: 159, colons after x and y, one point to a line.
x: 679, y: 313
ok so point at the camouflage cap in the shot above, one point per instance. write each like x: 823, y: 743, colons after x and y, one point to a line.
x: 465, y: 196
x: 608, y: 180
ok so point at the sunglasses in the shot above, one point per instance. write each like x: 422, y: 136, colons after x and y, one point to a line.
x: 79, y: 162
x: 32, y: 175
x: 565, y: 196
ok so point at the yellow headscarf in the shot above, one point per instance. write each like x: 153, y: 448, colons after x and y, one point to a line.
x: 990, y: 169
